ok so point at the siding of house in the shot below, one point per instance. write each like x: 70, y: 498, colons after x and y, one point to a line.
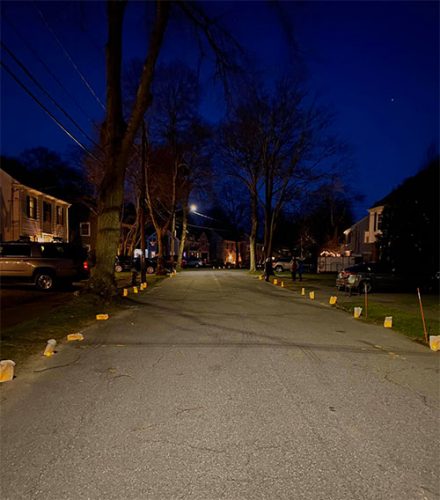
x: 361, y: 238
x: 15, y: 221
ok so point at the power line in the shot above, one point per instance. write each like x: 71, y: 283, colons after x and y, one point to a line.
x: 69, y: 57
x: 54, y: 118
x: 46, y: 67
x: 37, y: 83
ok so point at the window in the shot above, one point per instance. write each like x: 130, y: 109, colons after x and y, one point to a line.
x: 60, y: 215
x: 15, y: 250
x: 84, y: 229
x: 375, y: 222
x: 47, y: 212
x: 379, y: 222
x: 31, y: 207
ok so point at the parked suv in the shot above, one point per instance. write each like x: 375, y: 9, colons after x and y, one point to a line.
x: 282, y: 264
x: 44, y: 264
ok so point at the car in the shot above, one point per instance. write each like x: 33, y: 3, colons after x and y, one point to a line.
x: 43, y: 264
x: 124, y: 263
x: 368, y: 277
x: 281, y: 264
x: 127, y: 263
x: 194, y: 262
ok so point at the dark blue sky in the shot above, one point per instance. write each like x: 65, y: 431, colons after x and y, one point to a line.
x: 376, y: 64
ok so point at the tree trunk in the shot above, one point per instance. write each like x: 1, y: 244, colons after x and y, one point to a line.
x: 109, y: 231
x: 142, y: 207
x: 254, y: 231
x: 237, y: 254
x: 160, y: 234
x: 117, y: 139
x: 183, y: 236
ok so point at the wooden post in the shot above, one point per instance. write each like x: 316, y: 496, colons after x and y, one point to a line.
x: 423, y: 316
x: 366, y: 300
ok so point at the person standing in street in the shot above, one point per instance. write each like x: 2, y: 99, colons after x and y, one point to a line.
x: 293, y: 268
x: 300, y: 270
x: 268, y: 271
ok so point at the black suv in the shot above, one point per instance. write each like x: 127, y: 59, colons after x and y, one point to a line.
x: 44, y: 264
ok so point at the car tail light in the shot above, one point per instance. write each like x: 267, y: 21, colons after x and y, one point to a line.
x: 85, y: 265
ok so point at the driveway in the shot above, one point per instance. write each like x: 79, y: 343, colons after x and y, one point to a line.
x: 216, y: 385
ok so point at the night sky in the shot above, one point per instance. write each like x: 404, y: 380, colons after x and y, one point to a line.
x: 375, y: 64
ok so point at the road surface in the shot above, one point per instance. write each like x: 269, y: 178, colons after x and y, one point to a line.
x: 216, y: 385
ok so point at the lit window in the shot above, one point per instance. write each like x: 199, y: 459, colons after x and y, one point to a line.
x: 60, y: 215
x: 84, y: 229
x: 31, y: 207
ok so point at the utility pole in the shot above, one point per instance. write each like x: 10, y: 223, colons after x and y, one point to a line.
x: 142, y: 202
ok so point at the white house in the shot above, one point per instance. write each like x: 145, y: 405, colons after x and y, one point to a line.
x: 361, y: 238
x: 27, y: 212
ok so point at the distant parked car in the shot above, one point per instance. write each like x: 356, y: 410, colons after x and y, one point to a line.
x: 370, y: 277
x: 123, y: 263
x: 282, y: 264
x: 126, y: 263
x: 44, y: 264
x: 194, y: 262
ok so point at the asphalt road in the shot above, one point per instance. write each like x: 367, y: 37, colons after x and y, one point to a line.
x: 217, y: 385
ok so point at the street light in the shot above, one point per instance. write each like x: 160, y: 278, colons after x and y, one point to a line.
x: 193, y: 207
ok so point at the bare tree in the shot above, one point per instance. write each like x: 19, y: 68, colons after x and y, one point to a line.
x: 161, y: 175
x: 117, y: 137
x: 117, y: 134
x: 241, y: 154
x: 171, y: 119
x: 274, y: 143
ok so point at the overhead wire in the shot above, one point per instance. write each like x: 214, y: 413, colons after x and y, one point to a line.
x: 68, y: 56
x: 46, y: 67
x: 47, y: 111
x: 46, y: 93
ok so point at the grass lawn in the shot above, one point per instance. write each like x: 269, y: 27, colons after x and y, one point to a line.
x: 30, y: 337
x: 403, y: 307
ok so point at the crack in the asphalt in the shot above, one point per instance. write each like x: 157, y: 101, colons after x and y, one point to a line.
x: 71, y: 363
x: 186, y: 410
x: 186, y: 445
x: 422, y: 397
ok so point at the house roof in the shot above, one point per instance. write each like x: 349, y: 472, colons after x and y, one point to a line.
x: 34, y: 191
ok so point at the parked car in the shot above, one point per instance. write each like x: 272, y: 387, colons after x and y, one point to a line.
x: 44, y: 264
x: 127, y: 263
x: 124, y: 263
x: 370, y: 277
x: 194, y: 262
x: 281, y: 264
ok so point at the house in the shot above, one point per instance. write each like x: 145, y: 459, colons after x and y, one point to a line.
x: 360, y: 244
x: 197, y: 245
x: 171, y: 246
x: 88, y: 229
x: 361, y: 238
x: 224, y: 247
x: 29, y: 213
